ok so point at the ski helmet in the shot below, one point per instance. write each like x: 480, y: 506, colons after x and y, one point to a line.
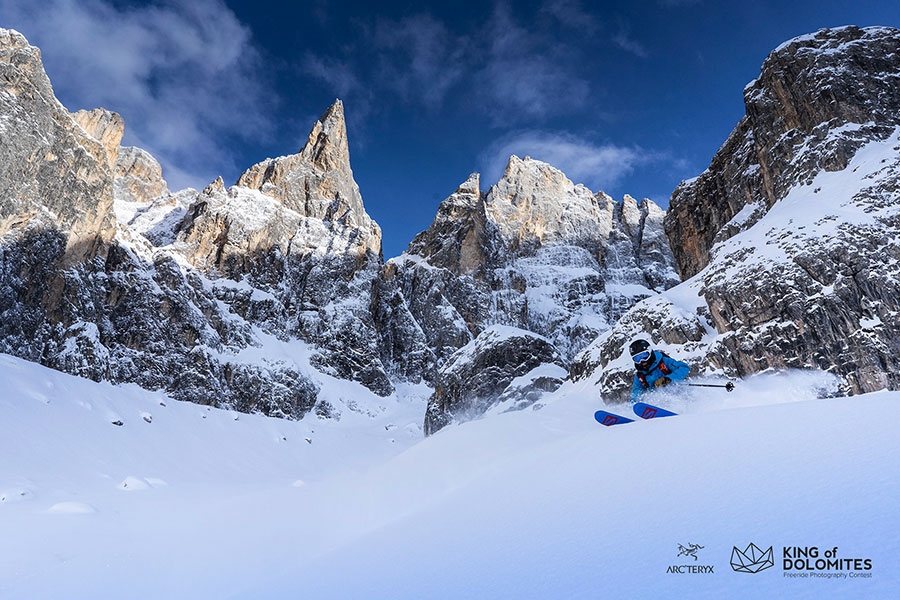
x: 640, y: 351
x: 638, y: 346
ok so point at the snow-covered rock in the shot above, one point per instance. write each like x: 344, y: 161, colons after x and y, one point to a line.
x: 295, y: 228
x: 792, y: 235
x: 500, y: 366
x: 87, y: 294
x: 797, y: 110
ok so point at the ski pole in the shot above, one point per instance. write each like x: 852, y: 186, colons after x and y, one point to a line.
x: 728, y: 386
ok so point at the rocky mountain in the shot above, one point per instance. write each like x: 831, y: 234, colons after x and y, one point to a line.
x: 503, y: 368
x: 53, y: 171
x: 790, y: 240
x: 537, y: 253
x: 294, y: 231
x: 251, y: 296
x: 110, y: 275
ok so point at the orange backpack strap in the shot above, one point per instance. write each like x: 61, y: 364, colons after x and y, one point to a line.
x: 643, y: 379
x: 664, y: 368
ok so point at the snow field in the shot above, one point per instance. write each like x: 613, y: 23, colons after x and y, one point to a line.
x: 532, y: 504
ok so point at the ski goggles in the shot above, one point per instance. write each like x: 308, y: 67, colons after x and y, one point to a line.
x: 642, y: 356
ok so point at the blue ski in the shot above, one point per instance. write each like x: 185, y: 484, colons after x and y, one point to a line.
x: 608, y: 418
x: 648, y: 411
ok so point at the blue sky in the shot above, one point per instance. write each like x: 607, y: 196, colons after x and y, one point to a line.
x: 625, y: 97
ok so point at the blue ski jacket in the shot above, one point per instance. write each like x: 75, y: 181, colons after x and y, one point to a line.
x: 645, y: 379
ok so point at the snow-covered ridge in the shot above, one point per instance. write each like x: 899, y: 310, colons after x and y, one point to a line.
x: 843, y: 202
x: 813, y: 39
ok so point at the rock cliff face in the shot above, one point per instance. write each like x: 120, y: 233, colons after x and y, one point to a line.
x: 460, y: 239
x: 792, y: 234
x: 52, y: 171
x: 808, y: 89
x: 138, y: 177
x: 503, y: 366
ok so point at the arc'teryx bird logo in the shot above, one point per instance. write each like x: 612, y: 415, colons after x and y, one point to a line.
x: 689, y: 550
x: 690, y: 569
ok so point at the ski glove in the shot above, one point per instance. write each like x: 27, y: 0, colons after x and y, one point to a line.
x: 662, y: 382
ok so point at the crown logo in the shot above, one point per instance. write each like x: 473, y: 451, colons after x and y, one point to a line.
x: 752, y: 559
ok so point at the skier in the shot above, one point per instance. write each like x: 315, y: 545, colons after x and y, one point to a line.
x: 653, y: 369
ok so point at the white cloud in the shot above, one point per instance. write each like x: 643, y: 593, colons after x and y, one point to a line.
x: 420, y: 58
x: 183, y: 75
x: 526, y: 75
x: 597, y: 166
x: 510, y: 72
x: 625, y: 41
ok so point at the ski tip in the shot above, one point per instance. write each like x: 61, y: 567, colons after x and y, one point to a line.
x: 609, y: 419
x: 648, y: 411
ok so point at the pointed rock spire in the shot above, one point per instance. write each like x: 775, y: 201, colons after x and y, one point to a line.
x: 327, y: 146
x: 326, y: 149
x: 456, y: 238
x: 318, y: 181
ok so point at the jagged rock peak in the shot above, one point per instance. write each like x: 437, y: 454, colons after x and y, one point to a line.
x: 104, y: 126
x: 138, y: 176
x: 469, y: 189
x: 318, y: 181
x: 467, y: 195
x: 535, y: 204
x: 327, y: 146
x: 217, y: 186
x: 456, y: 239
x: 15, y: 49
x: 326, y: 149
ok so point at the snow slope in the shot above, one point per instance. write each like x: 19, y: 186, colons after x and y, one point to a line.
x: 203, y: 503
